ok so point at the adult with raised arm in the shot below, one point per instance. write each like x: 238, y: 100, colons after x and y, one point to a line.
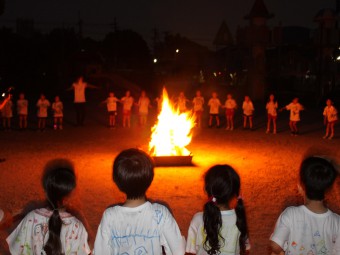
x: 79, y: 87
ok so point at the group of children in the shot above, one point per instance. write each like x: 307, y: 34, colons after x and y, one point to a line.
x: 144, y: 104
x: 230, y: 106
x: 42, y: 112
x: 139, y: 226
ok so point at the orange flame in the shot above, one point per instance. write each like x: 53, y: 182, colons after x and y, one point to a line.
x: 172, y: 131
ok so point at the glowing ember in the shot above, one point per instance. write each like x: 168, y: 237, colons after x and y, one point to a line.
x: 172, y: 132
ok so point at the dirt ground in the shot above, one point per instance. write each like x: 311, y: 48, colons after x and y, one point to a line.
x: 267, y: 164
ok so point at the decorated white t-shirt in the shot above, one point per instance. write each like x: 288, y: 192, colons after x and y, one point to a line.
x: 300, y: 231
x: 248, y: 108
x: 294, y: 111
x: 143, y: 105
x: 42, y: 108
x: 198, y: 103
x: 111, y: 104
x: 22, y: 107
x: 127, y: 103
x: 230, y: 104
x: 7, y: 111
x: 58, y: 109
x: 141, y: 230
x: 31, y: 234
x: 272, y: 108
x: 214, y: 104
x: 330, y: 113
x: 229, y: 231
x: 79, y: 92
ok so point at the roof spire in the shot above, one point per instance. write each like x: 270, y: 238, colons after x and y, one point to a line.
x: 259, y: 10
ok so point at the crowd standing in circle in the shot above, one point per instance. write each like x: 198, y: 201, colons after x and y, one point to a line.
x: 143, y: 103
x: 140, y: 226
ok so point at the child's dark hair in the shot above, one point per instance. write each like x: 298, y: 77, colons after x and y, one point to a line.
x: 222, y: 184
x: 317, y: 175
x: 133, y: 172
x: 58, y: 181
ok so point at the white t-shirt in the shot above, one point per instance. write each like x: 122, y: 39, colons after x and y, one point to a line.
x: 31, y: 234
x: 58, y: 109
x: 294, y: 111
x: 127, y: 103
x: 248, y: 108
x: 42, y: 108
x: 331, y: 113
x: 7, y: 111
x: 22, y: 107
x: 272, y: 108
x: 143, y: 104
x: 214, y: 104
x: 141, y: 230
x: 300, y: 231
x: 198, y: 103
x: 79, y: 92
x: 229, y: 231
x: 111, y: 104
x: 230, y: 104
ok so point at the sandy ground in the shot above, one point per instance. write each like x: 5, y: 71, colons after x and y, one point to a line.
x: 267, y: 164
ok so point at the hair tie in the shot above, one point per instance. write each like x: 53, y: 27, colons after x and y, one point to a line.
x: 212, y: 199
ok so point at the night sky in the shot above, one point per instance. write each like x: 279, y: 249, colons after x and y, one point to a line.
x: 198, y: 20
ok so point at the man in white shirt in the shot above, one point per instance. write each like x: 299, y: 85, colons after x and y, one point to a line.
x: 79, y: 89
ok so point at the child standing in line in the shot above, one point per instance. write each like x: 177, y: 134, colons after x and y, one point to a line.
x: 127, y: 107
x: 111, y: 105
x: 159, y: 101
x: 42, y: 105
x: 271, y: 107
x: 230, y: 105
x: 7, y: 114
x: 294, y: 107
x: 214, y: 104
x: 137, y: 226
x: 52, y: 230
x: 248, y: 110
x: 330, y: 118
x: 57, y: 107
x: 22, y: 110
x: 198, y: 103
x: 182, y: 102
x: 312, y: 228
x: 143, y: 108
x: 222, y: 226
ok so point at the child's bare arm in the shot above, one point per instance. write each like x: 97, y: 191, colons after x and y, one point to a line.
x: 276, y: 249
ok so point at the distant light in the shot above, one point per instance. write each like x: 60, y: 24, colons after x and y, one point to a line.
x: 177, y: 50
x: 155, y: 60
x: 338, y: 58
x: 215, y: 74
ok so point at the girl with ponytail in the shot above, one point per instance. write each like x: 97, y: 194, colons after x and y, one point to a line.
x: 52, y: 230
x: 222, y: 226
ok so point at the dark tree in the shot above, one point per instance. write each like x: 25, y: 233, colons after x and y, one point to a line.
x: 126, y: 49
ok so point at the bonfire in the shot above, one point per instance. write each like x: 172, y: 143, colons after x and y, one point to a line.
x: 172, y: 131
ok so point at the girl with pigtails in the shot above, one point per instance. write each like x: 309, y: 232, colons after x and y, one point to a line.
x: 222, y: 227
x: 52, y: 230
